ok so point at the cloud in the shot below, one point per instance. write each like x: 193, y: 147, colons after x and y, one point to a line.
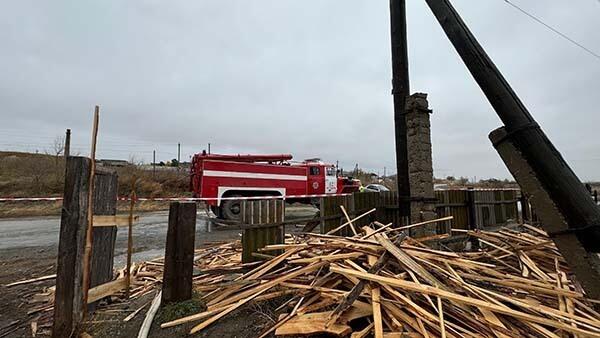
x: 312, y: 79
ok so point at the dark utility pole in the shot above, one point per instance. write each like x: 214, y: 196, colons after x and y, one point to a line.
x: 153, y: 163
x: 68, y: 143
x: 178, y: 153
x: 400, y: 91
x: 209, y: 148
x: 553, y: 172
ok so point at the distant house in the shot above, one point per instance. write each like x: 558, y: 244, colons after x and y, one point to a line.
x: 112, y: 163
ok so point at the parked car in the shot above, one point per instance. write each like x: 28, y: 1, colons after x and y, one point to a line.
x: 376, y: 188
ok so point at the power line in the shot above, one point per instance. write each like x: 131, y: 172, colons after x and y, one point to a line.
x: 589, y: 51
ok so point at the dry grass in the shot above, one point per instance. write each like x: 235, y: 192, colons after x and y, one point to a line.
x: 27, y: 175
x: 24, y: 174
x: 41, y: 175
x: 163, y: 184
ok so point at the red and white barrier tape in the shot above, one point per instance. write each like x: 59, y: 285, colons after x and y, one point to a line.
x: 174, y: 199
x: 26, y: 199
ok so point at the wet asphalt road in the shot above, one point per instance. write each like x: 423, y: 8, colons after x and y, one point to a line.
x: 149, y: 233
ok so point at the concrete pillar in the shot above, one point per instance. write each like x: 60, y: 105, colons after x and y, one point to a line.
x: 420, y: 165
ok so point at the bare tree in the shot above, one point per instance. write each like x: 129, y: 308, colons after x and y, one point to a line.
x: 134, y: 160
x: 58, y: 146
x: 57, y: 149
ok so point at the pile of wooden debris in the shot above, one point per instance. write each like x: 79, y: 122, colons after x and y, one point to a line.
x: 380, y: 281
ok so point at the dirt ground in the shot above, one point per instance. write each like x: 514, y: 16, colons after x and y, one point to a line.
x: 248, y: 322
x: 22, y: 263
x: 18, y: 264
x: 37, y: 259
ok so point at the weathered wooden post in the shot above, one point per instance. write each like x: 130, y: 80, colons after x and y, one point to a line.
x: 68, y: 297
x: 179, y: 253
x: 400, y: 90
x: 471, y: 209
x: 69, y: 289
x: 68, y: 143
x: 525, y: 217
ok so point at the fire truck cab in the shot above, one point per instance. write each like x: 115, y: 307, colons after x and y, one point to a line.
x: 222, y: 178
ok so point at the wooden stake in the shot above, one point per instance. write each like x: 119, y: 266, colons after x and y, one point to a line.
x: 441, y: 312
x: 448, y: 218
x: 348, y: 219
x: 130, y: 238
x: 87, y: 255
x: 376, y: 299
x: 355, y: 219
x: 150, y: 316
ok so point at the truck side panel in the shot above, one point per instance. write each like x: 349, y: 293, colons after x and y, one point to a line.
x: 231, y: 175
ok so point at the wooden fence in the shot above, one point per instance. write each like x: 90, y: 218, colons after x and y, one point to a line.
x: 471, y: 208
x: 262, y: 221
x: 478, y: 208
x: 357, y: 204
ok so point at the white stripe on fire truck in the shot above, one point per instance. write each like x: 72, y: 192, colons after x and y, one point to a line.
x: 237, y: 174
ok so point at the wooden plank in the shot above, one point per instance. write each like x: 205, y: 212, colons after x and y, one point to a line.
x: 315, y: 323
x: 116, y: 220
x: 179, y: 253
x: 346, y: 223
x: 130, y: 220
x: 441, y: 313
x: 407, y: 261
x: 311, y: 324
x: 32, y: 280
x: 145, y: 328
x: 376, y: 300
x: 434, y: 291
x: 247, y: 296
x: 106, y: 289
x: 103, y: 246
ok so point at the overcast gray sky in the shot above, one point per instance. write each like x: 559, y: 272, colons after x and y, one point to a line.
x: 311, y: 78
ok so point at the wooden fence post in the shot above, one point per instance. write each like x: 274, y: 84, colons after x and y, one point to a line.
x: 179, y: 253
x: 103, y: 247
x: 525, y: 217
x: 471, y: 209
x: 68, y: 296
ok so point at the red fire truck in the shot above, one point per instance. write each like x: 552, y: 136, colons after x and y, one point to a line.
x: 221, y: 177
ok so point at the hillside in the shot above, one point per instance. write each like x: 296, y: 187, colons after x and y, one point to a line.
x: 42, y: 175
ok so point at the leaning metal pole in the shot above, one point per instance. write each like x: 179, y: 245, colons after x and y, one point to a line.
x: 554, y: 173
x: 400, y: 91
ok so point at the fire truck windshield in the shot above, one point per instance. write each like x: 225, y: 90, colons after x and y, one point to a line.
x: 330, y: 171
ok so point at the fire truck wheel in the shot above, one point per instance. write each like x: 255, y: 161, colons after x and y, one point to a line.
x: 231, y: 209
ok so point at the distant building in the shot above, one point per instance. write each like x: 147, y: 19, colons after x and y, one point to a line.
x: 112, y: 163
